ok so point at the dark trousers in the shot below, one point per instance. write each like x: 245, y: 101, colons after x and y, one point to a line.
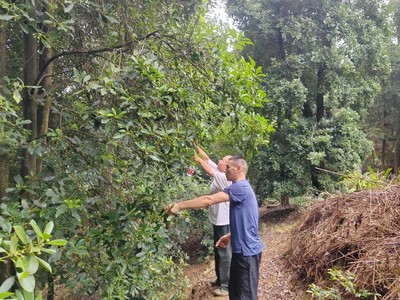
x: 244, y: 275
x: 222, y: 257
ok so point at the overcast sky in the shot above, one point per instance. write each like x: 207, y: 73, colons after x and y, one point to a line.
x: 219, y: 12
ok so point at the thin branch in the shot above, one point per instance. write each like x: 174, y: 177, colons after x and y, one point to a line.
x: 349, y: 175
x: 89, y: 52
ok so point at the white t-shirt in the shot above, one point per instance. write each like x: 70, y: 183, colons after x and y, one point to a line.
x: 218, y: 213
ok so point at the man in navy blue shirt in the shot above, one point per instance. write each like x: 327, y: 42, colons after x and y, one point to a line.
x: 244, y: 238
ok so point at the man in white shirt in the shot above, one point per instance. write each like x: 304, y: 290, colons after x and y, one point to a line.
x: 219, y: 218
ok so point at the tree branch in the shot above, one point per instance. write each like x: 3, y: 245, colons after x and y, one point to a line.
x: 88, y: 52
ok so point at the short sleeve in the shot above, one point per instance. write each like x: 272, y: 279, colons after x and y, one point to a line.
x: 236, y: 192
x: 212, y: 164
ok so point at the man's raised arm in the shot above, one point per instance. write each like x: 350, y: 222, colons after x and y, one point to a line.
x: 202, y: 154
x: 205, y: 165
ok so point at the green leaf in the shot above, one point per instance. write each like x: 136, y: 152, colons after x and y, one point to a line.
x: 19, y: 295
x: 4, y: 224
x: 7, y: 284
x: 6, y: 17
x: 29, y: 295
x: 50, y: 251
x: 44, y: 264
x: 20, y: 267
x: 51, y: 194
x: 49, y: 227
x: 27, y: 282
x: 39, y: 296
x: 19, y: 230
x: 69, y: 8
x: 153, y: 157
x: 61, y: 210
x: 58, y: 242
x: 111, y: 19
x: 5, y: 295
x: 46, y: 236
x: 24, y: 27
x: 36, y: 229
x: 75, y: 214
x: 33, y: 264
x: 17, y: 96
x: 14, y: 244
x: 119, y: 136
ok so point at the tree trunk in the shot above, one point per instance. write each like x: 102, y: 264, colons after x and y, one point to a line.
x: 384, y: 128
x: 282, y: 54
x: 43, y: 111
x: 284, y: 199
x: 320, y: 92
x: 28, y: 163
x: 4, y: 157
x: 383, y: 155
x: 4, y: 174
x: 284, y: 196
x: 397, y: 158
x: 307, y: 111
x: 2, y: 50
x: 314, y: 178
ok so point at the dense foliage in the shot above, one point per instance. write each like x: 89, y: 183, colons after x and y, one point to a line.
x: 324, y: 62
x: 383, y: 125
x: 98, y: 132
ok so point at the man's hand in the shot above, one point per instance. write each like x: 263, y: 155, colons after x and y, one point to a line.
x: 172, y: 209
x: 224, y: 241
x: 202, y: 154
x: 204, y: 164
x: 198, y: 159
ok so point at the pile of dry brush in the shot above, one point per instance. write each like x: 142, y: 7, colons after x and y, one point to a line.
x: 358, y: 232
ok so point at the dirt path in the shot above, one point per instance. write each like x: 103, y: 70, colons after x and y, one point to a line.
x: 275, y: 279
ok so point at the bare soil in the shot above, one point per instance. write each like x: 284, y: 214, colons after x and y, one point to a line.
x: 276, y: 280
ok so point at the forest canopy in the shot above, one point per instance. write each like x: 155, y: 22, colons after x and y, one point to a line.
x: 101, y: 103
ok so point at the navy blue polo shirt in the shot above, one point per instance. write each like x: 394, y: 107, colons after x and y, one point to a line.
x: 243, y: 215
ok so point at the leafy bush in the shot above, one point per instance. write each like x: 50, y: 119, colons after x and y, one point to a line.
x: 357, y: 181
x: 23, y: 248
x: 345, y: 289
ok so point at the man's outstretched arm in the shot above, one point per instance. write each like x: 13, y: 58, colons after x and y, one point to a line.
x: 197, y: 203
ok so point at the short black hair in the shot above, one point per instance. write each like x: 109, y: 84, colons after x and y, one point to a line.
x: 240, y: 160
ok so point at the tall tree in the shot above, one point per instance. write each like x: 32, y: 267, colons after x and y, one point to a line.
x: 4, y: 159
x: 383, y: 124
x: 324, y: 62
x: 114, y: 94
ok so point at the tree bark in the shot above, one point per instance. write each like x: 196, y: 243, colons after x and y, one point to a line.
x: 320, y: 92
x: 284, y: 199
x: 4, y: 157
x: 383, y: 154
x: 43, y: 111
x: 28, y: 163
x: 6, y: 268
x: 307, y: 111
x: 3, y: 60
x: 284, y: 196
x: 282, y: 54
x: 314, y: 178
x: 396, y: 159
